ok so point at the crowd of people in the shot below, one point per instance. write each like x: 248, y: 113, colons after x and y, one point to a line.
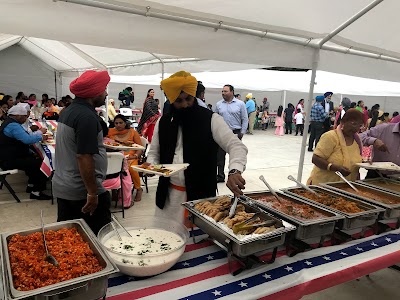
x: 186, y: 130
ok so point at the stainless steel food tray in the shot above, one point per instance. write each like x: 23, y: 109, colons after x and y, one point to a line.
x: 351, y: 221
x: 305, y: 228
x: 391, y: 210
x: 2, y: 281
x: 88, y: 287
x: 384, y: 187
x: 227, y: 240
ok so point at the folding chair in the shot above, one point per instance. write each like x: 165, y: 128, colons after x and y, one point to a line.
x: 3, y: 180
x: 115, y: 169
x: 143, y: 159
x: 127, y: 112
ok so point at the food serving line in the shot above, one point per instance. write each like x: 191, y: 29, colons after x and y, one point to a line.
x: 249, y: 247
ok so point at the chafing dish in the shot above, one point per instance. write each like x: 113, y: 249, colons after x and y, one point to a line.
x: 306, y: 228
x: 387, y: 185
x: 391, y: 210
x: 352, y: 220
x: 247, y: 245
x: 88, y: 287
x: 2, y: 281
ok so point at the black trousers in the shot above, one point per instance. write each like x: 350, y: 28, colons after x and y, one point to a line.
x: 299, y: 127
x: 72, y: 209
x: 317, y: 129
x: 221, y: 159
x: 373, y: 174
x: 31, y: 166
x: 288, y: 127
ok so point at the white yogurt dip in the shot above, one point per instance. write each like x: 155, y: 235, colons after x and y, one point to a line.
x: 148, y: 252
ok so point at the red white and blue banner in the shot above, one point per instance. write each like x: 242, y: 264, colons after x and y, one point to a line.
x: 203, y: 272
x: 46, y: 153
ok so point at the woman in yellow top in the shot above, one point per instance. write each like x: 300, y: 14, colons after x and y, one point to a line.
x: 122, y: 132
x: 339, y: 150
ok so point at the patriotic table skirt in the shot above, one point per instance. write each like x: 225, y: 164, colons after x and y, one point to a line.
x: 203, y: 272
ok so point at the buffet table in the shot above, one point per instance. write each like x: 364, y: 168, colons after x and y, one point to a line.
x: 203, y: 272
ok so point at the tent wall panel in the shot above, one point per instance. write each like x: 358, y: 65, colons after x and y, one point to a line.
x: 21, y: 71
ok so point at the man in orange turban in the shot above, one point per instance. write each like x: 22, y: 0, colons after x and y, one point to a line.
x: 81, y: 158
x: 191, y: 134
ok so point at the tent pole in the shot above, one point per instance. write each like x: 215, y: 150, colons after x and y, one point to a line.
x: 107, y: 99
x: 162, y: 77
x: 55, y: 84
x: 284, y: 100
x: 349, y: 22
x: 308, y: 112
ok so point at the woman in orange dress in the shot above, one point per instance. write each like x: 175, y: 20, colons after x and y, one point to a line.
x: 124, y: 133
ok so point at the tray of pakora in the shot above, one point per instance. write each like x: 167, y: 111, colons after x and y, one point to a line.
x: 248, y: 231
x: 357, y: 213
x: 165, y: 170
x: 121, y: 145
x: 311, y: 220
x: 388, y: 200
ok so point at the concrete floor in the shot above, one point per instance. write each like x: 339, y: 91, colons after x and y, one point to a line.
x: 269, y: 155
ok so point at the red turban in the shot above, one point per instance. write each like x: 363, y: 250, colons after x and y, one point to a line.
x: 90, y: 84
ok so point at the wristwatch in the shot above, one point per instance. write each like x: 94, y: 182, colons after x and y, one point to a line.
x: 234, y: 171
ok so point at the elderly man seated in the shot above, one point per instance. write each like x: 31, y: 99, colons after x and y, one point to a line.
x: 15, y: 152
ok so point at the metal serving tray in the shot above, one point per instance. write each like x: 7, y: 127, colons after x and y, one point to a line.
x: 391, y: 210
x: 2, y: 281
x: 351, y: 221
x: 305, y: 228
x: 227, y: 240
x: 379, y: 183
x: 88, y: 287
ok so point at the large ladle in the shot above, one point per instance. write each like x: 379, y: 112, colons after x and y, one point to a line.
x: 345, y: 180
x: 290, y: 177
x: 270, y: 189
x: 49, y: 258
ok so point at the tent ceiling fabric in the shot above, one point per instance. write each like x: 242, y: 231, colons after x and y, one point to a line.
x: 306, y: 21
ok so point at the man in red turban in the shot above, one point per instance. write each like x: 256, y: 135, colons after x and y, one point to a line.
x: 81, y: 160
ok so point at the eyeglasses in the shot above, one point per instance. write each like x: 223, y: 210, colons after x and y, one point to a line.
x: 180, y: 100
x: 355, y: 124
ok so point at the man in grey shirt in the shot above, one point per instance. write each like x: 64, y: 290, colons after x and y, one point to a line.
x: 235, y: 115
x: 81, y: 158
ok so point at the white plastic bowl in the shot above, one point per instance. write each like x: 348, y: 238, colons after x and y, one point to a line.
x: 130, y: 264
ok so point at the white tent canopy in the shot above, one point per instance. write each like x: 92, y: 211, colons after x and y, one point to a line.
x: 261, y: 32
x: 348, y: 37
x: 266, y: 80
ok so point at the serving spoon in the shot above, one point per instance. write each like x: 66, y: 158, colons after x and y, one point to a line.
x: 290, y: 177
x: 270, y: 189
x: 345, y: 180
x: 49, y: 258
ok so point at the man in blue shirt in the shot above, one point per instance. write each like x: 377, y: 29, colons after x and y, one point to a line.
x: 234, y: 112
x: 15, y: 152
x: 251, y: 111
x: 317, y: 118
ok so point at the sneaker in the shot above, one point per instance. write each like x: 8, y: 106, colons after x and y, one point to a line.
x: 310, y: 150
x: 42, y: 196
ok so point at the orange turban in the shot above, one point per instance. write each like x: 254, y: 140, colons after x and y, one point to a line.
x: 90, y: 84
x: 178, y: 82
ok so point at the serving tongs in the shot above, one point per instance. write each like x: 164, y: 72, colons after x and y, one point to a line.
x: 348, y: 182
x: 290, y: 177
x: 49, y: 258
x: 233, y: 207
x: 270, y: 189
x: 246, y: 226
x: 114, y: 219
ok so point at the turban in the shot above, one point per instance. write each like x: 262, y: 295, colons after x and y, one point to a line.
x: 90, y: 84
x: 346, y: 102
x: 328, y: 94
x: 18, y: 110
x: 249, y: 96
x: 178, y: 82
x: 319, y: 98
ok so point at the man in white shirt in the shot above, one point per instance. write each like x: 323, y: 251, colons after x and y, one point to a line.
x: 190, y: 134
x: 200, y: 94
